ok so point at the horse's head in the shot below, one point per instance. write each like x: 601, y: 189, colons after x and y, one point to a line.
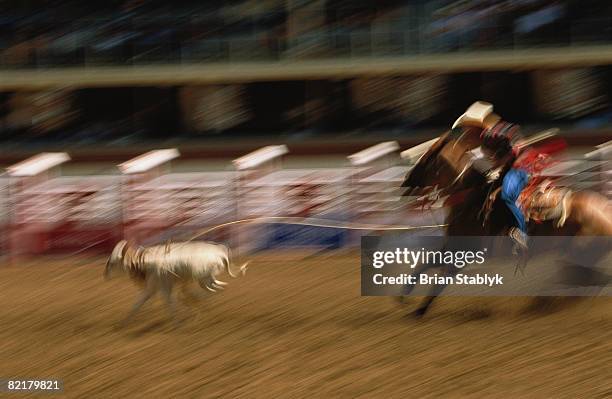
x: 445, y: 163
x: 429, y: 172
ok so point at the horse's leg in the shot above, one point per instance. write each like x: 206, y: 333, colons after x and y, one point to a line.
x: 408, y: 288
x: 435, y: 291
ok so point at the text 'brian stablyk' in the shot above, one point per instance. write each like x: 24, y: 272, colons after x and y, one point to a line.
x: 425, y: 279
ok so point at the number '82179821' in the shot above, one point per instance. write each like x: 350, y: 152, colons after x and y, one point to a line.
x: 30, y: 385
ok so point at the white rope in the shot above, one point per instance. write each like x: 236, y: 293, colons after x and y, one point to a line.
x: 314, y: 223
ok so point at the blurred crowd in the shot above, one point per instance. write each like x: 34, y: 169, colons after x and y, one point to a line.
x: 392, y: 106
x: 65, y: 32
x: 43, y: 33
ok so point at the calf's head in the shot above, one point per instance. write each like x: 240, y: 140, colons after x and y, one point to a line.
x: 116, y: 258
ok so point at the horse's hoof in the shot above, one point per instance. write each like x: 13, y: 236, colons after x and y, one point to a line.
x: 419, y: 313
x: 401, y: 299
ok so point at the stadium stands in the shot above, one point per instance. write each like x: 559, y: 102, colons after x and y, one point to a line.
x: 149, y: 32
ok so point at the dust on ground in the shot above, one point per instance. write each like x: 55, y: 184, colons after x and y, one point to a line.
x: 294, y: 328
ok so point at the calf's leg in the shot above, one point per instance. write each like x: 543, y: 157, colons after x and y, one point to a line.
x: 166, y: 289
x: 150, y: 290
x: 207, y: 283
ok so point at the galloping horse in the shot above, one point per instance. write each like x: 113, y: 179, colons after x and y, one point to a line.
x: 475, y: 210
x: 447, y: 167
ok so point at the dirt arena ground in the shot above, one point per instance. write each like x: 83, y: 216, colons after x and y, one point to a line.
x: 294, y: 328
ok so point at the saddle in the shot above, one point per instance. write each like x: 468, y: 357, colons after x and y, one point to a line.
x: 545, y: 202
x: 540, y: 202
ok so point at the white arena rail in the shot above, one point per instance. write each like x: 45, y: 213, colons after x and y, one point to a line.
x: 4, y: 213
x: 38, y: 164
x: 166, y: 205
x: 375, y: 158
x: 298, y: 192
x: 260, y: 158
x: 375, y: 153
x: 4, y: 199
x: 578, y: 174
x: 71, y: 212
x: 603, y: 154
x: 380, y: 193
x: 302, y: 193
x: 36, y: 169
x: 593, y: 171
x: 138, y: 212
x: 42, y: 168
x: 176, y: 203
x: 249, y: 168
x: 50, y: 212
x: 150, y: 162
x: 375, y: 186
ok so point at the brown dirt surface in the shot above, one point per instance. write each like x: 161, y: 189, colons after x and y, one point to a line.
x: 294, y: 328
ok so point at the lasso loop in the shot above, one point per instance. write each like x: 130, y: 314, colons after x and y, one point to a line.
x: 314, y: 223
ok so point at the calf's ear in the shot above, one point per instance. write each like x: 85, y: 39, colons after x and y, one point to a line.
x: 126, y: 246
